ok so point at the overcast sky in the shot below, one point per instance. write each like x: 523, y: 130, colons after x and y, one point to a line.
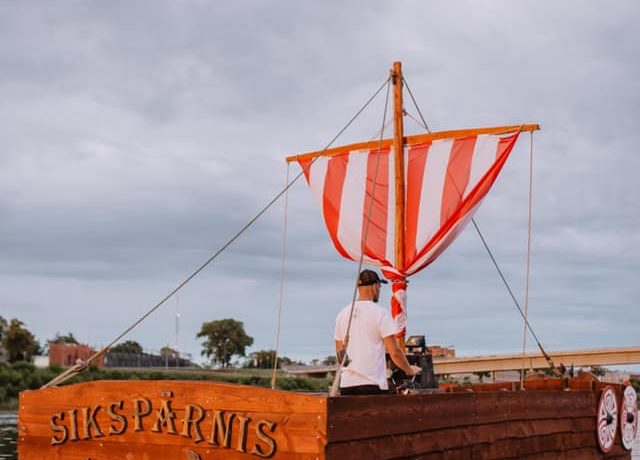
x: 138, y: 137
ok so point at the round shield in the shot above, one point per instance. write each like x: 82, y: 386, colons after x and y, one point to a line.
x: 629, y: 417
x: 607, y: 421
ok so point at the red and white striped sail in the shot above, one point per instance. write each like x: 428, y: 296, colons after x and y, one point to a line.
x: 446, y: 177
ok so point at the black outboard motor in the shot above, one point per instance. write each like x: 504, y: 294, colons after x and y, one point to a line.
x: 418, y: 354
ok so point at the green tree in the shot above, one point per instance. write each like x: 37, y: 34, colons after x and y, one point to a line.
x: 284, y: 361
x: 19, y: 342
x: 3, y: 354
x: 330, y: 361
x: 129, y: 346
x: 263, y: 359
x: 224, y: 338
x: 3, y: 328
x: 69, y: 338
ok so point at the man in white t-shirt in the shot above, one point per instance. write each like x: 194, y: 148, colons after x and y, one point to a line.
x: 372, y: 332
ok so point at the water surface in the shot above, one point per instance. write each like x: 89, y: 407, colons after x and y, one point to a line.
x: 8, y: 435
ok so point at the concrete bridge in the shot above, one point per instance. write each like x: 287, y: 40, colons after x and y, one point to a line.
x: 510, y: 362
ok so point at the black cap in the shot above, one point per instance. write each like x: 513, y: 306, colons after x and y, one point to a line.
x: 369, y: 277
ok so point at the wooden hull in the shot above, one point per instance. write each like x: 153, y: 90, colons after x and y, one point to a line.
x: 150, y: 420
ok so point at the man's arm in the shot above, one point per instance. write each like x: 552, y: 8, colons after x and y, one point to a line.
x: 398, y: 357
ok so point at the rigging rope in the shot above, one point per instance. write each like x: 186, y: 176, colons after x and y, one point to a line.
x: 380, y: 132
x: 413, y: 118
x: 515, y: 301
x: 336, y: 381
x: 416, y: 105
x: 76, y: 369
x: 282, y: 259
x: 495, y: 263
x: 528, y: 270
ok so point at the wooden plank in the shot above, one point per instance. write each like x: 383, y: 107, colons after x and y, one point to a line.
x: 402, y: 414
x: 41, y: 451
x: 469, y: 425
x: 169, y: 417
x: 233, y: 396
x: 396, y: 414
x: 550, y: 440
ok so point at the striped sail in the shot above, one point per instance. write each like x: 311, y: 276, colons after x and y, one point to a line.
x: 446, y: 177
x: 445, y: 182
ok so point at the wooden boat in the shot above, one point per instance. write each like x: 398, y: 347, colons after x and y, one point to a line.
x: 550, y: 418
x: 204, y: 420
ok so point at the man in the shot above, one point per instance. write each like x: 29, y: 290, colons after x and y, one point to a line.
x: 372, y: 331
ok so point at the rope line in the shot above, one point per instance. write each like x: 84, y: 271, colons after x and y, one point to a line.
x: 414, y: 119
x: 515, y: 301
x: 528, y: 270
x: 336, y: 381
x: 76, y: 369
x: 424, y: 122
x: 282, y: 260
x: 380, y: 132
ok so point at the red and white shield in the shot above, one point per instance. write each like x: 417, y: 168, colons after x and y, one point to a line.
x: 629, y: 417
x: 607, y: 421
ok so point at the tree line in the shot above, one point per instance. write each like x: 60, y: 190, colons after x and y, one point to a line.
x: 222, y: 340
x: 226, y: 338
x: 18, y: 342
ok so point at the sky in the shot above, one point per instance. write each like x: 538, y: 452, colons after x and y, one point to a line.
x: 138, y: 137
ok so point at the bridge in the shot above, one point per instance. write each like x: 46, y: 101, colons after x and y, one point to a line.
x: 510, y: 362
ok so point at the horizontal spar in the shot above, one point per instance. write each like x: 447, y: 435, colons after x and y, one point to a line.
x: 415, y: 139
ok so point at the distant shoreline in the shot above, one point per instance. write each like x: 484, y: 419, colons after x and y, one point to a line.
x: 9, y: 407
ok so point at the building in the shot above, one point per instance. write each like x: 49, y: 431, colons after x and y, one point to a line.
x: 442, y: 352
x: 68, y: 354
x: 172, y: 359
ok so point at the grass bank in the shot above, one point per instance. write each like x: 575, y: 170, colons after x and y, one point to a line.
x: 254, y: 377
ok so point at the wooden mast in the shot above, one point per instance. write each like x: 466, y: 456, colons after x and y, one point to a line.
x: 398, y: 151
x: 398, y: 154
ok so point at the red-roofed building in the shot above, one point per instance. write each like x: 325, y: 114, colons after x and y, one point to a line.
x: 68, y: 354
x: 442, y: 352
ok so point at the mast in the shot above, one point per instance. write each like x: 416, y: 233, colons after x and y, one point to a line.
x: 398, y: 151
x: 399, y: 286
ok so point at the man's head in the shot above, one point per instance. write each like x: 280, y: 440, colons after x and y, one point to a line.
x: 369, y: 285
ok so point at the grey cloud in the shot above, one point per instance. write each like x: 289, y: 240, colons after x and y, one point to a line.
x: 138, y: 139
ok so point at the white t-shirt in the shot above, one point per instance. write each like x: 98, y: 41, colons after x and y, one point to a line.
x: 370, y: 324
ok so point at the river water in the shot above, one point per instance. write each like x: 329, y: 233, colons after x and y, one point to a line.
x: 9, y: 437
